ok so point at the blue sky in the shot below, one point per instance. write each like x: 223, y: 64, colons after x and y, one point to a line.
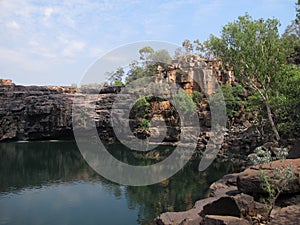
x: 53, y: 42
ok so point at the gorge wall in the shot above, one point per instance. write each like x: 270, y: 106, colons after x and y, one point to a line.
x: 45, y: 112
x: 33, y: 112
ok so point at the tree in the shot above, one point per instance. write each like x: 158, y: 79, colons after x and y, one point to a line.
x: 116, y: 76
x: 256, y: 51
x: 151, y: 60
x: 188, y: 46
x: 298, y: 12
x: 135, y: 72
x: 292, y: 37
x: 161, y: 56
x: 145, y: 53
x: 285, y: 100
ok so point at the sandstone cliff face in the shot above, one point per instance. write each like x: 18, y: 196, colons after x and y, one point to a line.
x: 30, y: 113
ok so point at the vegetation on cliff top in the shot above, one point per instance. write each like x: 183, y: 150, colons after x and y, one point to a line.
x: 264, y: 63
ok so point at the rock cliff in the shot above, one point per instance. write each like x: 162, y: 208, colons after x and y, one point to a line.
x: 32, y: 112
x: 45, y: 112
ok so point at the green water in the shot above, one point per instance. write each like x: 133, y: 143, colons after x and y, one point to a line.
x: 50, y: 183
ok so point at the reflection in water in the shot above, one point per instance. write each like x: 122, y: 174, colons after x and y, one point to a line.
x: 50, y: 183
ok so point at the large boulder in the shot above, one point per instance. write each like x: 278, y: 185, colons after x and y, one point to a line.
x: 241, y: 205
x: 249, y: 181
x: 188, y: 217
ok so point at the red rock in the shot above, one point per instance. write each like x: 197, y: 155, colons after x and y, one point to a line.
x: 249, y: 182
x: 223, y: 220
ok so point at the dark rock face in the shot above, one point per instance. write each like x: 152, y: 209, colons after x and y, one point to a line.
x: 45, y: 112
x: 295, y: 150
x: 30, y: 113
x: 238, y: 206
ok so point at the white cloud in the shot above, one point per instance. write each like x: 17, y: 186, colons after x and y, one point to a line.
x: 13, y: 58
x: 13, y: 24
x: 72, y: 48
x: 48, y: 11
x: 95, y: 52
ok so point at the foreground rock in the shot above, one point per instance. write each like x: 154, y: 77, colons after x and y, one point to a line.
x: 289, y: 215
x: 223, y: 220
x: 225, y: 187
x: 240, y: 205
x: 228, y: 205
x: 249, y: 182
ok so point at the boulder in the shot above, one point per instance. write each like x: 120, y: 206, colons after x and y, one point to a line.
x: 225, y: 186
x: 294, y: 152
x: 223, y: 220
x: 289, y: 215
x: 249, y: 182
x: 188, y: 217
x: 241, y: 205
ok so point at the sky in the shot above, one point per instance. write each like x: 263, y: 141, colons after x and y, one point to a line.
x: 54, y: 42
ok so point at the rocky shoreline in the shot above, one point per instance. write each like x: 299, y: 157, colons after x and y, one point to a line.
x: 233, y: 200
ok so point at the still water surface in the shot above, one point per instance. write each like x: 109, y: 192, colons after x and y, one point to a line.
x: 50, y: 183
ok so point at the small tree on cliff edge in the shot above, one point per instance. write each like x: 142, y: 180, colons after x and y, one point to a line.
x: 255, y: 50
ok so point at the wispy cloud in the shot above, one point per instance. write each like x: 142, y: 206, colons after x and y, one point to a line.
x: 13, y: 25
x: 60, y: 35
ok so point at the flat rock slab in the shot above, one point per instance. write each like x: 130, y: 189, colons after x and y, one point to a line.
x: 185, y: 217
x: 223, y: 220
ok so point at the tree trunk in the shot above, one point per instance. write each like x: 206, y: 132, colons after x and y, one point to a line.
x: 274, y: 129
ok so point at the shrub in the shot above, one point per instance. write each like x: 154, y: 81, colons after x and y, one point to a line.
x: 197, y: 96
x: 273, y: 184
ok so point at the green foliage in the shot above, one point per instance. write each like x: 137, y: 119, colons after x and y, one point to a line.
x: 253, y: 47
x: 145, y: 124
x: 141, y: 107
x: 184, y: 102
x: 197, y: 96
x: 274, y: 185
x: 292, y: 37
x: 118, y: 83
x: 146, y: 52
x: 298, y: 12
x: 116, y: 75
x: 105, y: 101
x: 161, y: 56
x: 256, y: 52
x: 285, y: 99
x: 135, y: 72
x: 233, y: 98
x: 138, y: 71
